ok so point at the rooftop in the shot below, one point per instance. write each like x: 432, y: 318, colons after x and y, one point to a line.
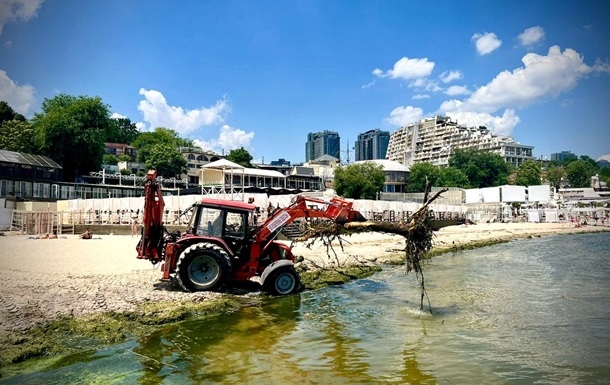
x: 29, y: 159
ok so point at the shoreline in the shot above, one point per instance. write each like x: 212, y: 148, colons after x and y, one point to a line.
x: 59, y: 290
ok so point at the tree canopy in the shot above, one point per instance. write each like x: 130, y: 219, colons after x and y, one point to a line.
x: 579, y: 173
x: 240, y: 156
x: 554, y: 175
x: 160, y: 150
x: 20, y: 136
x: 418, y: 174
x: 166, y: 160
x: 72, y: 129
x: 359, y: 181
x: 121, y: 130
x: 483, y: 169
x: 452, y: 177
x: 7, y: 113
x: 529, y: 173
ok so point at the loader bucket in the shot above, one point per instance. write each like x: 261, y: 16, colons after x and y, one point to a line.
x: 355, y: 216
x: 349, y: 216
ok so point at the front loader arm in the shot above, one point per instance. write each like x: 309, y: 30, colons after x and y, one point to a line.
x: 337, y: 210
x: 152, y: 243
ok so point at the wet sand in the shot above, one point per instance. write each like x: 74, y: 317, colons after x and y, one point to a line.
x: 46, y: 278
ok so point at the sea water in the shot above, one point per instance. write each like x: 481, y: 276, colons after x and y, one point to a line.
x: 529, y: 311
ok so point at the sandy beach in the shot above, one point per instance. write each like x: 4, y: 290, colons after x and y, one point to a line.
x: 46, y: 278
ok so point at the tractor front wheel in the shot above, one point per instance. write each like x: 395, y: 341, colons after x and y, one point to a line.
x: 203, y: 266
x: 283, y: 280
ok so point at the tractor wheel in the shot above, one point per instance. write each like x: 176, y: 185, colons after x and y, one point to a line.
x: 282, y: 281
x: 203, y: 266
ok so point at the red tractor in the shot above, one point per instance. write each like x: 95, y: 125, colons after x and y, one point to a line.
x: 220, y: 245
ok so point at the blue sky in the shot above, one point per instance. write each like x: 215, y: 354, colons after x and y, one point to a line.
x: 262, y: 74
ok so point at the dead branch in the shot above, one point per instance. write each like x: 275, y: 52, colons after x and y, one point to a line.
x: 417, y: 232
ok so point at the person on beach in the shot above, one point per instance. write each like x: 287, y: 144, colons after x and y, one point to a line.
x: 134, y: 226
x: 87, y: 234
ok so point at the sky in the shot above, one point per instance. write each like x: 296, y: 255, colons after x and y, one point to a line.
x: 263, y: 74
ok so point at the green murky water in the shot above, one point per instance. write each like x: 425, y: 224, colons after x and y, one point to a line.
x: 531, y: 311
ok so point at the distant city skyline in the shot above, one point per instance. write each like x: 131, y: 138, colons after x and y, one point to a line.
x: 237, y: 74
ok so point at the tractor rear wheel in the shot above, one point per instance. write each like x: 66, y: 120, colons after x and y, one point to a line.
x: 282, y: 281
x: 203, y: 266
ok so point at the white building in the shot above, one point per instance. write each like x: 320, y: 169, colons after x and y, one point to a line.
x: 433, y: 140
x: 396, y: 175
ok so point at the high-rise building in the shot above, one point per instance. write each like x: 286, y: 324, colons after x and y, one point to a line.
x: 322, y: 143
x: 433, y: 140
x: 372, y: 144
x: 563, y: 155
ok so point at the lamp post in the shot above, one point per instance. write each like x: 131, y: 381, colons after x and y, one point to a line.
x: 134, y: 179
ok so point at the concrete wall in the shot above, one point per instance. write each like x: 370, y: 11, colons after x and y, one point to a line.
x: 6, y: 213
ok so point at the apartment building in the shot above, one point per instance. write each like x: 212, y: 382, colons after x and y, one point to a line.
x: 322, y: 143
x: 433, y: 140
x: 563, y: 155
x: 372, y: 144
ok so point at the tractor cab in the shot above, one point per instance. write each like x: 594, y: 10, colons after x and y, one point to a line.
x: 227, y: 220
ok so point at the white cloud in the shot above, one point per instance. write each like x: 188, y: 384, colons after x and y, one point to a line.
x: 421, y: 96
x: 20, y: 98
x: 457, y: 90
x: 229, y: 138
x: 567, y: 102
x: 116, y: 115
x: 600, y: 66
x: 140, y: 126
x: 531, y: 36
x: 407, y: 69
x: 500, y: 125
x: 402, y: 116
x: 542, y: 77
x: 449, y: 76
x: 367, y: 85
x: 17, y: 10
x: 486, y: 43
x: 604, y: 157
x: 8, y: 44
x: 158, y: 113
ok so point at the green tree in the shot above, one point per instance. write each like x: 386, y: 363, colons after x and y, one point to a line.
x: 110, y: 159
x: 7, y: 113
x: 483, y: 169
x: 166, y: 160
x: 554, y: 175
x: 167, y: 137
x: 359, y: 181
x: 72, y: 130
x: 20, y: 136
x: 240, y: 156
x: 528, y: 174
x: 579, y: 173
x: 418, y: 174
x: 604, y: 174
x: 121, y: 130
x: 452, y: 177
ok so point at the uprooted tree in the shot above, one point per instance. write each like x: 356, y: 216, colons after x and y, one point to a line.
x: 417, y: 231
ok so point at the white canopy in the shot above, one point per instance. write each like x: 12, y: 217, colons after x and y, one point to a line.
x: 223, y: 164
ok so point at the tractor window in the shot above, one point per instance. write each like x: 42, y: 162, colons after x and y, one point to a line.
x: 210, y: 222
x: 236, y: 225
x: 189, y: 218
